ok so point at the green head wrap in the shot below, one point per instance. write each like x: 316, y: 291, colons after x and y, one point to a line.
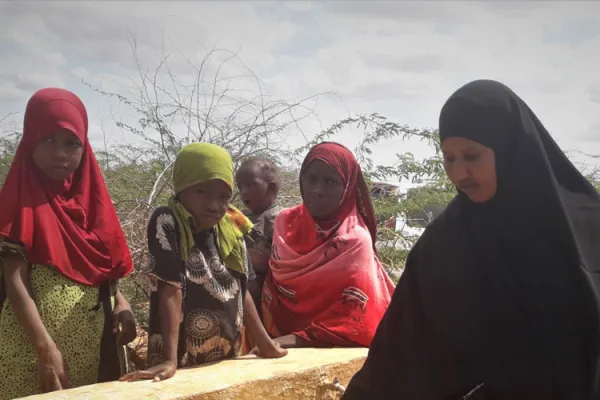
x: 198, y: 163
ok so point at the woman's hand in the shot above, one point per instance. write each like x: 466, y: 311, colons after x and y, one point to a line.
x: 52, y: 369
x: 123, y: 316
x: 266, y: 347
x: 271, y: 350
x: 158, y: 373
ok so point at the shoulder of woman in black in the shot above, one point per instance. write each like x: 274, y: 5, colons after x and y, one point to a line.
x: 409, y: 357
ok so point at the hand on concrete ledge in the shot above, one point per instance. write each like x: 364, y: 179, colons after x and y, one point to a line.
x: 158, y: 373
x: 265, y: 346
x: 52, y: 370
x: 273, y: 350
x: 303, y: 374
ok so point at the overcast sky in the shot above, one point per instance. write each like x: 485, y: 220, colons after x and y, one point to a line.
x: 400, y: 59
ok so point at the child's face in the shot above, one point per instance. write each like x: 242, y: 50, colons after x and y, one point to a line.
x: 58, y: 155
x: 256, y: 192
x: 207, y: 202
x: 322, y: 190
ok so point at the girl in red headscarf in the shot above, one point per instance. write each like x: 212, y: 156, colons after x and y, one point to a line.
x: 326, y: 286
x: 63, y: 321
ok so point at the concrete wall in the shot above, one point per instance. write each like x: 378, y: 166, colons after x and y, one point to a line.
x: 305, y: 374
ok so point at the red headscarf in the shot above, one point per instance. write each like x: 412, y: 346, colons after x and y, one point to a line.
x: 302, y: 233
x: 327, y: 289
x: 73, y: 225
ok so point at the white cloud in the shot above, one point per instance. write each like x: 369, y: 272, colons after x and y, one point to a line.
x: 300, y: 5
x: 401, y: 59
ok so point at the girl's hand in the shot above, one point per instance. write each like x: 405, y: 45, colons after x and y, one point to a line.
x: 158, y: 373
x: 271, y: 350
x: 123, y: 316
x: 52, y: 370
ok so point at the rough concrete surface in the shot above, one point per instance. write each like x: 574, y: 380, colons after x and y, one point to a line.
x: 305, y: 374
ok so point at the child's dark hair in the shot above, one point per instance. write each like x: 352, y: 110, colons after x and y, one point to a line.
x: 268, y: 169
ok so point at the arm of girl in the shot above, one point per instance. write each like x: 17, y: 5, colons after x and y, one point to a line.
x: 52, y: 369
x: 266, y: 347
x: 169, y: 306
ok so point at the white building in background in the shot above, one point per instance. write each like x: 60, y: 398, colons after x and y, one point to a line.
x: 399, y: 189
x: 400, y: 223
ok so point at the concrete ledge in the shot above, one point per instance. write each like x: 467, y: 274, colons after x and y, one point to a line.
x: 305, y: 374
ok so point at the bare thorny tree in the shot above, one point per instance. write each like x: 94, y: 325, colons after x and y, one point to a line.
x: 207, y: 105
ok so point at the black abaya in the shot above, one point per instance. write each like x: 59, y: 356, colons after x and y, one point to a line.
x: 498, y: 300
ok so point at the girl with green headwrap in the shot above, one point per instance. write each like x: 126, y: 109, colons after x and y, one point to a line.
x: 199, y: 270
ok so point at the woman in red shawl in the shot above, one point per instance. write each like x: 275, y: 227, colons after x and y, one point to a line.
x: 63, y: 321
x: 326, y: 286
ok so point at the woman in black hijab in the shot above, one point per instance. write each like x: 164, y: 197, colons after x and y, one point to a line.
x: 498, y: 299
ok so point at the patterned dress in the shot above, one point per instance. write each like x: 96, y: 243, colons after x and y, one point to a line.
x: 213, y: 295
x: 75, y: 318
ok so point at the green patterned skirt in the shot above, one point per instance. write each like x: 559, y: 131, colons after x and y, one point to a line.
x: 71, y: 314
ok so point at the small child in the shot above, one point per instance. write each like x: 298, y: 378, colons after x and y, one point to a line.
x: 258, y: 181
x: 199, y: 268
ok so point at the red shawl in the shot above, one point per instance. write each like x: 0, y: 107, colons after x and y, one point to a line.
x: 328, y: 290
x: 73, y: 225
